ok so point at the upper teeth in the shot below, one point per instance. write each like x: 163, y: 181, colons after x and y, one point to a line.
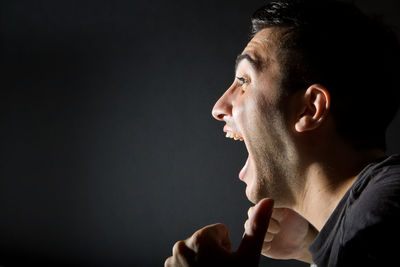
x: 234, y: 136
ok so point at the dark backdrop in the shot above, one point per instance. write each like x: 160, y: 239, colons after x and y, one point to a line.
x: 109, y: 153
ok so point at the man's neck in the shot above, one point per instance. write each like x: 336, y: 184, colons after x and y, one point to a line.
x: 326, y: 182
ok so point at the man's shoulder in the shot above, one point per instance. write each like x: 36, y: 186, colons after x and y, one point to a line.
x: 363, y: 227
x: 375, y: 200
x: 371, y: 222
x: 380, y: 177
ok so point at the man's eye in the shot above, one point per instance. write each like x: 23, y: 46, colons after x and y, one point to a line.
x: 242, y: 80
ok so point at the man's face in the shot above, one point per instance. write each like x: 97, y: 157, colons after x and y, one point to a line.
x: 253, y: 109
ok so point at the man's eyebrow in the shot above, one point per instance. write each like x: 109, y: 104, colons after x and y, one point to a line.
x: 255, y: 63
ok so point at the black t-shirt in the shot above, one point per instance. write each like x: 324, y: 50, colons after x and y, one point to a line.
x: 364, y: 229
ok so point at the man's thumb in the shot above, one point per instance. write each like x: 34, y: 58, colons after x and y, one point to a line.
x: 250, y: 247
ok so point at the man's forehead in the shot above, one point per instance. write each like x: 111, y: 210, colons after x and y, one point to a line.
x: 260, y: 48
x: 264, y: 38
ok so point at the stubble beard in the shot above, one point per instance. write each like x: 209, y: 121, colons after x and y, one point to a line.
x: 273, y: 175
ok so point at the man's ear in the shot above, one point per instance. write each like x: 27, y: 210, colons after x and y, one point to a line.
x: 315, y: 106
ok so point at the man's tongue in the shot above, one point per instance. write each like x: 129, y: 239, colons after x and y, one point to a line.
x: 242, y: 172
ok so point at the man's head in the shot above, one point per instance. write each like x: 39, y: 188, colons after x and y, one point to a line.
x: 355, y: 57
x: 308, y: 60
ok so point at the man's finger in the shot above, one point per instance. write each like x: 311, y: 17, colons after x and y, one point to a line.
x: 279, y: 213
x: 183, y: 253
x: 274, y: 226
x: 250, y: 211
x: 211, y: 246
x: 250, y: 247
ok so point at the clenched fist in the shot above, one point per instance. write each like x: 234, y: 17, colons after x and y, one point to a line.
x: 211, y: 245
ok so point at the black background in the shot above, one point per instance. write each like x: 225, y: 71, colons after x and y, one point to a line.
x: 109, y: 153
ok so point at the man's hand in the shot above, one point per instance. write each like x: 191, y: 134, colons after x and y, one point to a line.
x: 211, y: 245
x: 288, y: 237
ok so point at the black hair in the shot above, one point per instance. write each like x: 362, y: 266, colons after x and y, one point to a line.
x: 356, y: 57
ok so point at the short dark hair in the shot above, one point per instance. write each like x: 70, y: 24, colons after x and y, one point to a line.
x: 356, y: 57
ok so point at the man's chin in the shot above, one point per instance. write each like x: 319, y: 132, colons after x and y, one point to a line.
x: 251, y: 196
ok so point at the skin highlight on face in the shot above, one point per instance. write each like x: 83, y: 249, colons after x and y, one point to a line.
x: 251, y: 108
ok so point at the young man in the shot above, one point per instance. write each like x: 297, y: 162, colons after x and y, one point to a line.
x: 314, y: 92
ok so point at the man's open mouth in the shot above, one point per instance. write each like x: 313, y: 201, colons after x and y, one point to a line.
x: 236, y: 136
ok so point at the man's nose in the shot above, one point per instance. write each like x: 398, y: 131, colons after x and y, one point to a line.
x: 224, y: 105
